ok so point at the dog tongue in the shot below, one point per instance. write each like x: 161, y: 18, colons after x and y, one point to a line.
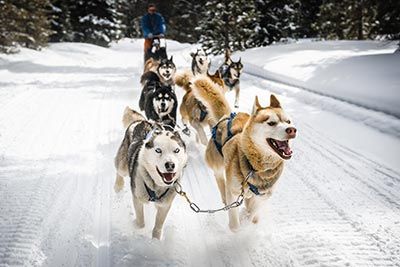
x: 168, y: 176
x: 284, y: 145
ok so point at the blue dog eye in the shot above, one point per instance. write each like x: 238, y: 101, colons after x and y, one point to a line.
x: 158, y: 150
x: 177, y: 150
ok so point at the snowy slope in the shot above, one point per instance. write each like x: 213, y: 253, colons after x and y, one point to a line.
x: 337, y: 203
x: 361, y: 72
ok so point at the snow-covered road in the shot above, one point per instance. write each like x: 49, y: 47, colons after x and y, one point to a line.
x: 337, y: 203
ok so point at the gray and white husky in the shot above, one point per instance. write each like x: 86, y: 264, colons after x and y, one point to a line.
x: 153, y: 156
x: 200, y: 62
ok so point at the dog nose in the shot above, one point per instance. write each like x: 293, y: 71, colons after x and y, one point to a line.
x: 163, y: 105
x: 169, y: 166
x: 291, y: 131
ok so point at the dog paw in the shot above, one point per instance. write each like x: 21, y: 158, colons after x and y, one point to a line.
x: 234, y: 227
x: 156, y: 234
x: 138, y: 224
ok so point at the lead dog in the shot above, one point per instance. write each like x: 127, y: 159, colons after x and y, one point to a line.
x: 252, y: 146
x: 153, y: 156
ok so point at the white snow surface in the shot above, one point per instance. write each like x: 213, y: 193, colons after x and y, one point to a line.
x: 362, y: 72
x: 336, y: 204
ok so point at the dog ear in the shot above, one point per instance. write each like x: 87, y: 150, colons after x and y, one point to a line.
x: 274, y: 102
x: 256, y: 106
x: 171, y: 58
x: 240, y: 60
x: 192, y: 54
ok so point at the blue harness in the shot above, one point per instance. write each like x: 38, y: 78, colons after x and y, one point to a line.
x: 152, y: 195
x: 229, y: 135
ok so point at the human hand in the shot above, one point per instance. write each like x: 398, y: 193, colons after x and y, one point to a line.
x: 150, y: 35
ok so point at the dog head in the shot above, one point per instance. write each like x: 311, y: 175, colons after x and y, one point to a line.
x: 164, y: 99
x: 166, y: 69
x: 164, y: 155
x: 200, y: 59
x: 235, y: 69
x: 272, y: 129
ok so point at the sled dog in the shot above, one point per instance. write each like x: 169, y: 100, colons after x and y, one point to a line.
x: 252, y: 146
x: 231, y: 71
x: 200, y: 62
x: 191, y: 109
x: 159, y: 102
x: 162, y: 71
x: 153, y: 156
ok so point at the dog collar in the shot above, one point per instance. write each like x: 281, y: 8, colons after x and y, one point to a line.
x: 152, y: 195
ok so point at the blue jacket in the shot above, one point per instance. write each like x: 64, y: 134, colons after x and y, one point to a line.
x: 153, y: 23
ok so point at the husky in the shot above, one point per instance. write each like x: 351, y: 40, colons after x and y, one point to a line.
x: 191, y: 109
x: 153, y: 156
x: 162, y: 71
x: 200, y: 62
x: 246, y: 150
x: 231, y: 71
x: 159, y: 102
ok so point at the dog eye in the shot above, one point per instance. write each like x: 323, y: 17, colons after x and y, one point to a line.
x: 272, y: 123
x: 288, y: 122
x: 177, y: 150
x: 158, y: 150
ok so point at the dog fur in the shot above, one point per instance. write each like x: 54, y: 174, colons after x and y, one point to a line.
x: 231, y: 71
x: 154, y: 157
x: 248, y: 149
x: 191, y: 109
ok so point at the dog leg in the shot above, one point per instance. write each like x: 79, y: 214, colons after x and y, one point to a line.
x: 139, y: 221
x: 219, y: 176
x: 162, y: 212
x: 200, y: 133
x: 233, y: 213
x: 237, y: 92
x: 119, y: 183
x: 252, y: 208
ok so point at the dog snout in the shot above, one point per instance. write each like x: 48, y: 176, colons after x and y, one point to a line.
x: 163, y: 105
x: 291, y: 131
x: 170, y: 166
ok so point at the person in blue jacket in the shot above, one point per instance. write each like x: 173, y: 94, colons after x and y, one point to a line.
x: 153, y: 24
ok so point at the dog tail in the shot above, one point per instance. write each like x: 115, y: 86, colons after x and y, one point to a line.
x: 130, y: 116
x: 182, y: 79
x: 211, y: 96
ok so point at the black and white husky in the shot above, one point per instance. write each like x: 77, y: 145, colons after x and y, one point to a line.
x: 159, y: 103
x: 230, y: 72
x: 153, y: 156
x: 200, y: 62
x: 164, y: 72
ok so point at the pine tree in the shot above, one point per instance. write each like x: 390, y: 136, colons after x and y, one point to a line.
x: 388, y: 15
x: 228, y: 24
x: 60, y: 21
x: 347, y: 19
x: 95, y: 21
x: 24, y: 22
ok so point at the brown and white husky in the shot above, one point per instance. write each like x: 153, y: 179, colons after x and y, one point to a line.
x: 252, y: 145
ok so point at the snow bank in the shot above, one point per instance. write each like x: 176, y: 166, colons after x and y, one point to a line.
x: 365, y: 73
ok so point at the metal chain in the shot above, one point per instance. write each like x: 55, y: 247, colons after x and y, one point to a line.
x: 196, y: 208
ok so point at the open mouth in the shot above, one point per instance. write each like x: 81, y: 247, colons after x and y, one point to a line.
x: 167, y: 176
x: 167, y: 75
x: 282, y: 148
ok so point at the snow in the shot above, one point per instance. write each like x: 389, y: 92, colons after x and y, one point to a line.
x: 337, y: 203
x: 361, y: 72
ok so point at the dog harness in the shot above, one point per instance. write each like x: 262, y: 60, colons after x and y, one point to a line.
x: 203, y: 111
x: 229, y: 135
x: 152, y: 195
